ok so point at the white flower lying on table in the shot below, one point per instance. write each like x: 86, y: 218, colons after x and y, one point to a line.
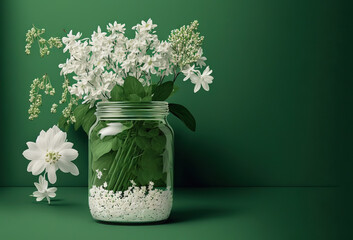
x: 50, y: 152
x: 43, y: 190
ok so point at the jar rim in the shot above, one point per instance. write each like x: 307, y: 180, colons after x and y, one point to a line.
x: 129, y: 103
x: 132, y: 110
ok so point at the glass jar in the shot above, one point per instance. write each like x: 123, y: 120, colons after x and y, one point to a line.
x: 131, y: 162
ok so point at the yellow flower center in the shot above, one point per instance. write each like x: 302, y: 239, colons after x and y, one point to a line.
x: 52, y: 157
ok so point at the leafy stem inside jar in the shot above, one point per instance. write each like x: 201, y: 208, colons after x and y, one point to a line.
x: 136, y: 153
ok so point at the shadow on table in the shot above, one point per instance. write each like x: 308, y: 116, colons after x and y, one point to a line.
x: 194, y: 214
x: 60, y: 203
x: 183, y: 215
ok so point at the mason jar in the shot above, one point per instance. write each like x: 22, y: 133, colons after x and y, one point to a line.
x: 131, y: 162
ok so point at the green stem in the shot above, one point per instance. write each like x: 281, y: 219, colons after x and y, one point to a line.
x: 114, y: 168
x: 123, y: 166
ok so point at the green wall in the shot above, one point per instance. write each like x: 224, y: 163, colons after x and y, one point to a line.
x: 269, y: 119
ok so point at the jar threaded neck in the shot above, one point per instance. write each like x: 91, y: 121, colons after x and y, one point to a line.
x: 132, y: 110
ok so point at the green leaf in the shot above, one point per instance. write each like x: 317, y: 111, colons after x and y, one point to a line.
x: 184, y: 115
x: 101, y: 147
x: 149, y: 89
x: 158, y: 143
x: 116, y: 143
x: 163, y: 91
x: 80, y: 113
x: 117, y: 93
x: 153, y: 132
x: 143, y: 142
x: 89, y: 120
x: 175, y: 89
x: 147, y: 98
x: 62, y: 124
x: 134, y: 98
x: 149, y: 133
x: 150, y: 167
x: 153, y: 87
x: 104, y: 162
x: 133, y: 86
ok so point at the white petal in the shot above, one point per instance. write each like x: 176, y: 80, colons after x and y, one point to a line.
x: 37, y: 194
x: 50, y: 134
x: 205, y: 86
x: 30, y: 165
x: 42, y: 142
x: 57, y: 140
x: 111, y: 130
x: 32, y: 146
x: 43, y: 182
x: 197, y: 87
x: 65, y: 145
x: 68, y: 154
x: 194, y: 78
x: 68, y: 167
x: 39, y: 187
x: 38, y: 167
x: 51, y: 194
x: 208, y: 79
x: 38, y: 199
x: 56, y: 129
x: 52, y: 190
x: 32, y: 155
x: 51, y: 174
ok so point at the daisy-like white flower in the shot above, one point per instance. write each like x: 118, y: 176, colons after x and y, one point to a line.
x: 202, y: 79
x: 51, y: 152
x: 43, y: 191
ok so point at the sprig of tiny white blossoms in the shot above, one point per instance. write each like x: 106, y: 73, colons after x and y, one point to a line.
x: 39, y: 85
x: 186, y: 43
x: 68, y: 110
x: 35, y: 34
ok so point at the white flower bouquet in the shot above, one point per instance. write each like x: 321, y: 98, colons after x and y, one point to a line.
x: 131, y: 158
x: 111, y: 67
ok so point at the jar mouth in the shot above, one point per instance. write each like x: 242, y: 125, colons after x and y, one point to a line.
x: 132, y: 110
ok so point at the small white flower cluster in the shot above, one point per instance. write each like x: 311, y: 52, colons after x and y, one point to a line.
x: 44, y: 45
x: 106, y: 59
x: 35, y: 98
x: 136, y: 204
x: 99, y: 174
x: 68, y: 110
x: 186, y: 43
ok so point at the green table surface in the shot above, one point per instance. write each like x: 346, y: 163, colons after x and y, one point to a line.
x: 223, y: 213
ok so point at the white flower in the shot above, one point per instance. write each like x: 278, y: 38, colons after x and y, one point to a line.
x: 43, y: 191
x: 105, y: 184
x: 188, y: 72
x: 116, y: 27
x: 70, y: 39
x: 201, y: 61
x: 51, y: 152
x: 202, y: 79
x: 145, y: 26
